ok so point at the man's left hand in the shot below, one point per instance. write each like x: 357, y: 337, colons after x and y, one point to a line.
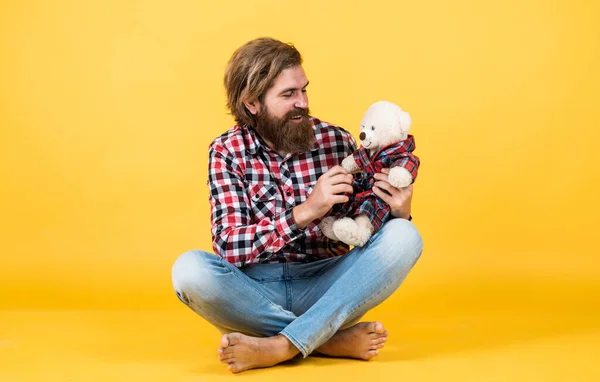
x: 399, y: 200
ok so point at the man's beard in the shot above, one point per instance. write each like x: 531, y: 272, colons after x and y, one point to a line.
x: 285, y: 135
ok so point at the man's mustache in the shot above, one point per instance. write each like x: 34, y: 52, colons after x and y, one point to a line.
x: 297, y: 112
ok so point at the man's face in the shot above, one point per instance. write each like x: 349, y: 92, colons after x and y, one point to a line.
x: 283, y: 116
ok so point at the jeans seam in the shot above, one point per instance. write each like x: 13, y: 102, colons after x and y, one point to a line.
x: 351, y: 312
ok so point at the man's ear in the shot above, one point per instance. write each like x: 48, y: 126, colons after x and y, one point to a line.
x: 253, y: 106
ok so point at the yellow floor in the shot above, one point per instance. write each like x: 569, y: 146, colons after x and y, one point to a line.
x: 497, y: 327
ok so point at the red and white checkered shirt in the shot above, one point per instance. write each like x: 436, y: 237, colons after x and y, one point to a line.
x: 253, y: 191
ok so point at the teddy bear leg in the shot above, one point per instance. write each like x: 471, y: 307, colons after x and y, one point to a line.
x: 351, y: 232
x: 326, y: 226
x: 364, y: 226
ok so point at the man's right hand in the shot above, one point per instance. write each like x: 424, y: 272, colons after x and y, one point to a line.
x: 328, y: 190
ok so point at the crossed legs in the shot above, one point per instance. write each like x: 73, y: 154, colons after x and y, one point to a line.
x: 262, y: 330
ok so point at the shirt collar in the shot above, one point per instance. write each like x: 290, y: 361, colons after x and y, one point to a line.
x: 252, y: 141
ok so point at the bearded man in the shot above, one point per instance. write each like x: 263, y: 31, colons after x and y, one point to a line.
x: 277, y: 287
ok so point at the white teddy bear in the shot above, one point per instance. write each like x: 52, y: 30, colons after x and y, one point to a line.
x: 385, y: 143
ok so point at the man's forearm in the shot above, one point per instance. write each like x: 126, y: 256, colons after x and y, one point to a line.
x: 240, y: 242
x: 303, y: 215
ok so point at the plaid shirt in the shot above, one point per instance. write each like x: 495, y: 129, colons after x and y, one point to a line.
x: 364, y: 200
x: 253, y: 191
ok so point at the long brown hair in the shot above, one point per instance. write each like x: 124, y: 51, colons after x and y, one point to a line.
x: 252, y: 70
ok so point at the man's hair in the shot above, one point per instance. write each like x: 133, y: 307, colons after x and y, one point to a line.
x: 252, y: 70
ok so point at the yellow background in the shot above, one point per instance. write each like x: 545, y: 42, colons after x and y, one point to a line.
x: 107, y: 109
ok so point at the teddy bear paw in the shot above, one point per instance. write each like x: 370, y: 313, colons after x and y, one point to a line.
x: 350, y: 232
x: 399, y: 177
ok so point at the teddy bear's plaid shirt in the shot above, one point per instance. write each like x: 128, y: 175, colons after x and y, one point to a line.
x: 364, y: 200
x: 253, y: 191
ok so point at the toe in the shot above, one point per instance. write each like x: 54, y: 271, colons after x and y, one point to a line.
x: 378, y: 328
x: 371, y: 353
x: 235, y: 338
x: 224, y: 341
x: 371, y: 327
x: 234, y: 368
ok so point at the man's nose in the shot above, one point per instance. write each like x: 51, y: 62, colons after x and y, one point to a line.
x: 302, y: 101
x: 362, y: 136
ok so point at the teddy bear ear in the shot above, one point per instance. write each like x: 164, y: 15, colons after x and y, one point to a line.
x: 405, y: 121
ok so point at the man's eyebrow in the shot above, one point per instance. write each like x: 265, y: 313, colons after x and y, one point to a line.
x: 292, y: 89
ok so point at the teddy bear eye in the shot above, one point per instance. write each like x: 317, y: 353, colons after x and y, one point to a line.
x: 372, y: 127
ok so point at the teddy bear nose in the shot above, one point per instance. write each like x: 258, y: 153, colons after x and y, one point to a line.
x: 362, y: 136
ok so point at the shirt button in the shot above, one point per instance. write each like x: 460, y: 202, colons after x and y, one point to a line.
x: 288, y: 193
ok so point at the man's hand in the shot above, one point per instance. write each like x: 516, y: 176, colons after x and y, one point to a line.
x: 399, y: 199
x: 328, y: 191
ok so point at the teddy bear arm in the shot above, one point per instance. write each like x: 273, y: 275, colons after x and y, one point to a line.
x: 349, y: 164
x: 399, y: 177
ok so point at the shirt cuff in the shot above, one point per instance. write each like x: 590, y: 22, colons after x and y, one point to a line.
x: 287, y: 228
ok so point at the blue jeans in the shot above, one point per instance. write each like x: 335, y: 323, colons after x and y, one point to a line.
x: 305, y: 302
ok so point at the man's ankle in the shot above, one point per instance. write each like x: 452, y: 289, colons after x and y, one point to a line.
x: 290, y: 349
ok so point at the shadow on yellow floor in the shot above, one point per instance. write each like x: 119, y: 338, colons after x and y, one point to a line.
x: 492, y: 328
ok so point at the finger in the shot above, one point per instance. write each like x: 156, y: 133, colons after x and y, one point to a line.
x: 382, y: 195
x: 341, y: 179
x: 340, y: 199
x: 334, y: 171
x: 380, y: 176
x: 388, y: 187
x: 341, y: 188
x: 386, y: 171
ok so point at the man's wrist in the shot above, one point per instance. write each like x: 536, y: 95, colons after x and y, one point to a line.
x: 407, y: 216
x: 299, y: 216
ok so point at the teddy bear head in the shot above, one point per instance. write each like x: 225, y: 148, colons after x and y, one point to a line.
x: 384, y: 123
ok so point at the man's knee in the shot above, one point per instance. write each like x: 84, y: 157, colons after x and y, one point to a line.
x: 191, y: 275
x: 401, y: 237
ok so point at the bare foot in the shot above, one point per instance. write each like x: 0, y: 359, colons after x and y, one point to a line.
x: 361, y: 341
x: 241, y: 352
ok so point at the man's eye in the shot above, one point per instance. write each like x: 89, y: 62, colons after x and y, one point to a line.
x: 303, y: 90
x: 287, y: 95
